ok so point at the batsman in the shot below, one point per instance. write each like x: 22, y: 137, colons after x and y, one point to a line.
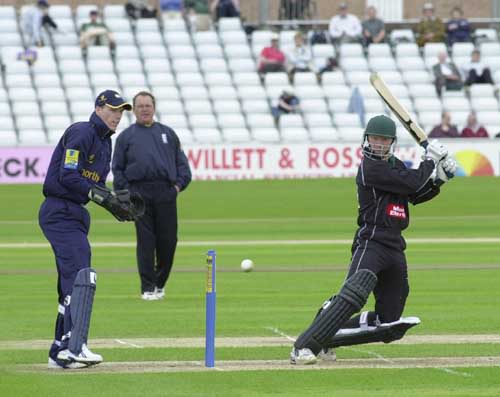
x: 385, y: 186
x: 77, y: 174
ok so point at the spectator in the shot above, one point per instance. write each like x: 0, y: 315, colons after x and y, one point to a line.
x: 445, y: 129
x: 373, y: 27
x: 172, y: 9
x: 331, y: 65
x: 225, y: 9
x: 198, y: 15
x: 300, y: 56
x: 473, y: 129
x: 95, y: 33
x: 446, y: 75
x: 458, y: 28
x: 476, y: 72
x: 345, y: 27
x: 294, y: 9
x: 271, y: 58
x: 287, y: 103
x: 34, y: 19
x: 430, y: 29
x: 137, y: 9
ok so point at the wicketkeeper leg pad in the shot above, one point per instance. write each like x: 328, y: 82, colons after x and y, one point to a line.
x: 351, y: 298
x: 82, y: 299
x: 385, y: 332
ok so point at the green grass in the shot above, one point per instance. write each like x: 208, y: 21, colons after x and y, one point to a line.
x: 289, y: 283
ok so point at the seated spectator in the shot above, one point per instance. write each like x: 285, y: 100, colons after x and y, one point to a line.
x: 445, y: 129
x: 171, y: 9
x: 473, y: 129
x: 430, y: 29
x: 34, y: 19
x: 294, y: 10
x: 136, y: 9
x: 476, y: 72
x: 198, y: 15
x: 458, y: 28
x: 271, y: 58
x: 95, y: 33
x: 373, y: 27
x: 287, y: 103
x: 345, y: 27
x: 225, y: 9
x: 446, y: 75
x: 331, y: 65
x: 299, y: 57
x: 317, y: 36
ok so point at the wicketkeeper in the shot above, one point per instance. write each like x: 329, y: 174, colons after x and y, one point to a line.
x: 378, y: 264
x: 77, y: 173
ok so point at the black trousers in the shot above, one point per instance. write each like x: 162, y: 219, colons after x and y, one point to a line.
x: 391, y: 269
x: 156, y: 233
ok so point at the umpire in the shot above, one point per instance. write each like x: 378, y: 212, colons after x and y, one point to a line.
x: 148, y: 159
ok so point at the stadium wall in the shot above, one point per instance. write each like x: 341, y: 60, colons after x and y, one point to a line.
x: 269, y: 161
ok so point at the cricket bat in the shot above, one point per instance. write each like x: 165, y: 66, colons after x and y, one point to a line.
x: 398, y: 109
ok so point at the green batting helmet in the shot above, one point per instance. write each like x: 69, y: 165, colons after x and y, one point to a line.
x: 381, y: 126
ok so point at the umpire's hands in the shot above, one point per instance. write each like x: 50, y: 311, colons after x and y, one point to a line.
x: 122, y: 205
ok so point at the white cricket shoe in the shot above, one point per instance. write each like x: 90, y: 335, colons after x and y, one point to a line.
x: 85, y: 357
x: 149, y: 296
x: 160, y: 292
x: 53, y: 364
x: 302, y: 356
x: 328, y: 355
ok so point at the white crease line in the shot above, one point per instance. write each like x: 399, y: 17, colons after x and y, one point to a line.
x: 122, y: 342
x: 389, y: 361
x: 279, y: 332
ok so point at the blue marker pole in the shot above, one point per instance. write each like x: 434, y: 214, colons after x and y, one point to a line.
x: 210, y: 311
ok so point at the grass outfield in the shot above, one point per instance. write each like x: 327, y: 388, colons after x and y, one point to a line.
x: 454, y: 290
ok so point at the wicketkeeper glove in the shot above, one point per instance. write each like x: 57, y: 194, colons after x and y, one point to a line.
x: 122, y: 204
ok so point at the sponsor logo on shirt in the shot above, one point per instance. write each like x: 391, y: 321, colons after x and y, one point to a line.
x: 92, y: 175
x: 396, y: 211
x: 71, y: 159
x: 91, y: 158
x: 164, y: 138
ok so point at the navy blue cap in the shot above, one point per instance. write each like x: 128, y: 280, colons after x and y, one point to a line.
x: 42, y: 3
x: 113, y: 100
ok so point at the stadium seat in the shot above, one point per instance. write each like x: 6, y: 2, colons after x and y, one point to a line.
x: 481, y: 90
x: 229, y: 24
x: 337, y: 91
x: 127, y: 52
x: 236, y: 135
x: 358, y: 77
x: 260, y: 121
x: 379, y: 50
x: 156, y: 65
x: 246, y: 79
x: 333, y: 78
x: 274, y: 79
x: 5, y: 109
x: 462, y: 49
x: 251, y: 92
x: 409, y: 63
x: 185, y: 65
x: 203, y: 121
x: 488, y: 117
x: 174, y: 25
x: 235, y: 120
x: 194, y: 79
x: 351, y: 50
x: 196, y: 106
x: 54, y: 108
x: 485, y: 34
x: 253, y: 106
x: 313, y: 106
x: 172, y: 93
x: 417, y: 77
x: 267, y: 135
x: 161, y: 79
x: 354, y: 64
x: 422, y: 90
x: 309, y: 92
x: 72, y: 66
x: 233, y: 37
x: 206, y: 51
x: 241, y: 65
x: 185, y: 135
x: 6, y: 124
x: 323, y: 134
x: 305, y: 78
x: 427, y: 104
x: 484, y: 103
x: 290, y: 121
x: 114, y: 12
x: 208, y: 37
x: 230, y: 106
x: 194, y: 92
x: 124, y: 38
x: 228, y: 92
x: 350, y: 134
x: 182, y: 51
x: 80, y: 93
x: 50, y: 93
x: 489, y: 49
x: 391, y: 76
x: 8, y: 137
x: 401, y: 36
x: 457, y: 104
x: 207, y: 135
x: 346, y: 120
x: 236, y: 51
x: 153, y: 52
x: 318, y: 120
x: 22, y: 94
x: 174, y: 120
x: 382, y: 64
x: 100, y: 66
x: 295, y: 134
x: 218, y: 79
x: 169, y: 107
x: 32, y: 136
